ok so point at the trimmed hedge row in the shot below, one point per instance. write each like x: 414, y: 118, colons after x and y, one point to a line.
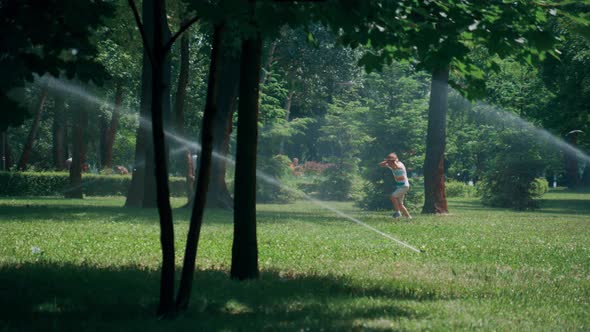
x: 56, y: 183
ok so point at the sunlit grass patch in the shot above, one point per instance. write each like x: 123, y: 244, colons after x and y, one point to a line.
x: 92, y: 264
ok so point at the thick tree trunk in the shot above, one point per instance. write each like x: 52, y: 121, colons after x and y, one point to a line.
x: 142, y: 190
x: 28, y: 147
x: 192, y: 241
x: 184, y: 160
x: 434, y: 180
x: 80, y: 127
x: 166, y: 304
x: 244, y: 263
x: 111, y: 133
x: 59, y: 134
x: 229, y: 75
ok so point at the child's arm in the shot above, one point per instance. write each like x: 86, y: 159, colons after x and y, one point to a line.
x: 383, y: 163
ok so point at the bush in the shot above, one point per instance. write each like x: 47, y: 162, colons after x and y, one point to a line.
x: 337, y: 182
x: 458, y: 189
x: 270, y: 188
x: 511, y: 181
x: 56, y: 183
x: 539, y: 187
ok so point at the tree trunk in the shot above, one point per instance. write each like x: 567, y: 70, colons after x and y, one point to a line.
x: 572, y: 172
x: 59, y: 134
x: 111, y: 133
x: 166, y: 304
x: 185, y: 153
x: 244, y: 263
x: 80, y: 127
x: 229, y: 75
x: 287, y: 113
x: 142, y: 190
x: 28, y: 147
x: 192, y: 241
x: 3, y: 149
x: 434, y: 180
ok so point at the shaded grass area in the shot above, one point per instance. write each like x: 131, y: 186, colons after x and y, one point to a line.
x: 93, y: 265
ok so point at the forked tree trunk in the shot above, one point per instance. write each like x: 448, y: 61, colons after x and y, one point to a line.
x: 28, y: 147
x: 435, y: 200
x: 244, y: 263
x: 80, y: 127
x: 200, y: 200
x: 59, y: 134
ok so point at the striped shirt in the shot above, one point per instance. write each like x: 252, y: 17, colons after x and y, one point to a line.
x: 400, y: 175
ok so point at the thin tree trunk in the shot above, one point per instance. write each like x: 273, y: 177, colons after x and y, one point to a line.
x: 4, y: 144
x: 80, y: 127
x: 111, y: 133
x: 142, y: 190
x: 28, y: 147
x: 185, y: 160
x: 166, y: 305
x: 192, y: 241
x: 287, y: 113
x: 59, y: 134
x: 434, y: 180
x: 103, y: 125
x: 244, y: 263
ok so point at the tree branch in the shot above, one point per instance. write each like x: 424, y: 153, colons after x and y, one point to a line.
x: 146, y: 45
x: 182, y: 29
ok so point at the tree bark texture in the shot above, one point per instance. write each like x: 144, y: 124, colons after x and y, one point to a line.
x: 28, y: 147
x: 192, y: 241
x: 80, y: 127
x: 59, y: 149
x: 244, y: 263
x: 434, y: 180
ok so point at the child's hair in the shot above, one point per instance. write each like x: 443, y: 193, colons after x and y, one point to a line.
x: 392, y: 156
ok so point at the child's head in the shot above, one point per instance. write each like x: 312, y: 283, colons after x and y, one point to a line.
x: 392, y: 156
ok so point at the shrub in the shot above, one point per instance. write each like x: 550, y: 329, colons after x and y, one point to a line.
x: 270, y: 189
x: 539, y: 187
x: 458, y: 189
x: 56, y: 183
x: 511, y: 181
x: 313, y: 167
x: 337, y: 182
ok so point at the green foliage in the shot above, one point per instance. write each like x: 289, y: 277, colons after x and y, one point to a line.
x: 458, y: 189
x: 269, y: 188
x: 57, y: 183
x: 510, y: 180
x: 337, y: 181
x: 539, y: 187
x: 376, y: 193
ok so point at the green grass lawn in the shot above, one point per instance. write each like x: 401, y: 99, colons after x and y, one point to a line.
x: 93, y: 265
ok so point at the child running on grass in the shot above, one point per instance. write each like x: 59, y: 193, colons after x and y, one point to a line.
x: 402, y: 185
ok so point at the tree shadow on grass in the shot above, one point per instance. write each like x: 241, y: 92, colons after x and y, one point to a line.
x: 67, y: 297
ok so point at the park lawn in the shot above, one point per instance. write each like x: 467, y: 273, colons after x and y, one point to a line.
x: 93, y: 265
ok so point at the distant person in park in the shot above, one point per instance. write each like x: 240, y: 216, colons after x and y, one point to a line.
x: 402, y: 185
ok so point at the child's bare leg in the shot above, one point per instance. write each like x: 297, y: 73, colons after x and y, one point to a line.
x: 394, y: 202
x: 404, y: 211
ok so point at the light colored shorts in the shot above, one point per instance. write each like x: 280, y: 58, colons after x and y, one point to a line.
x: 400, y: 193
